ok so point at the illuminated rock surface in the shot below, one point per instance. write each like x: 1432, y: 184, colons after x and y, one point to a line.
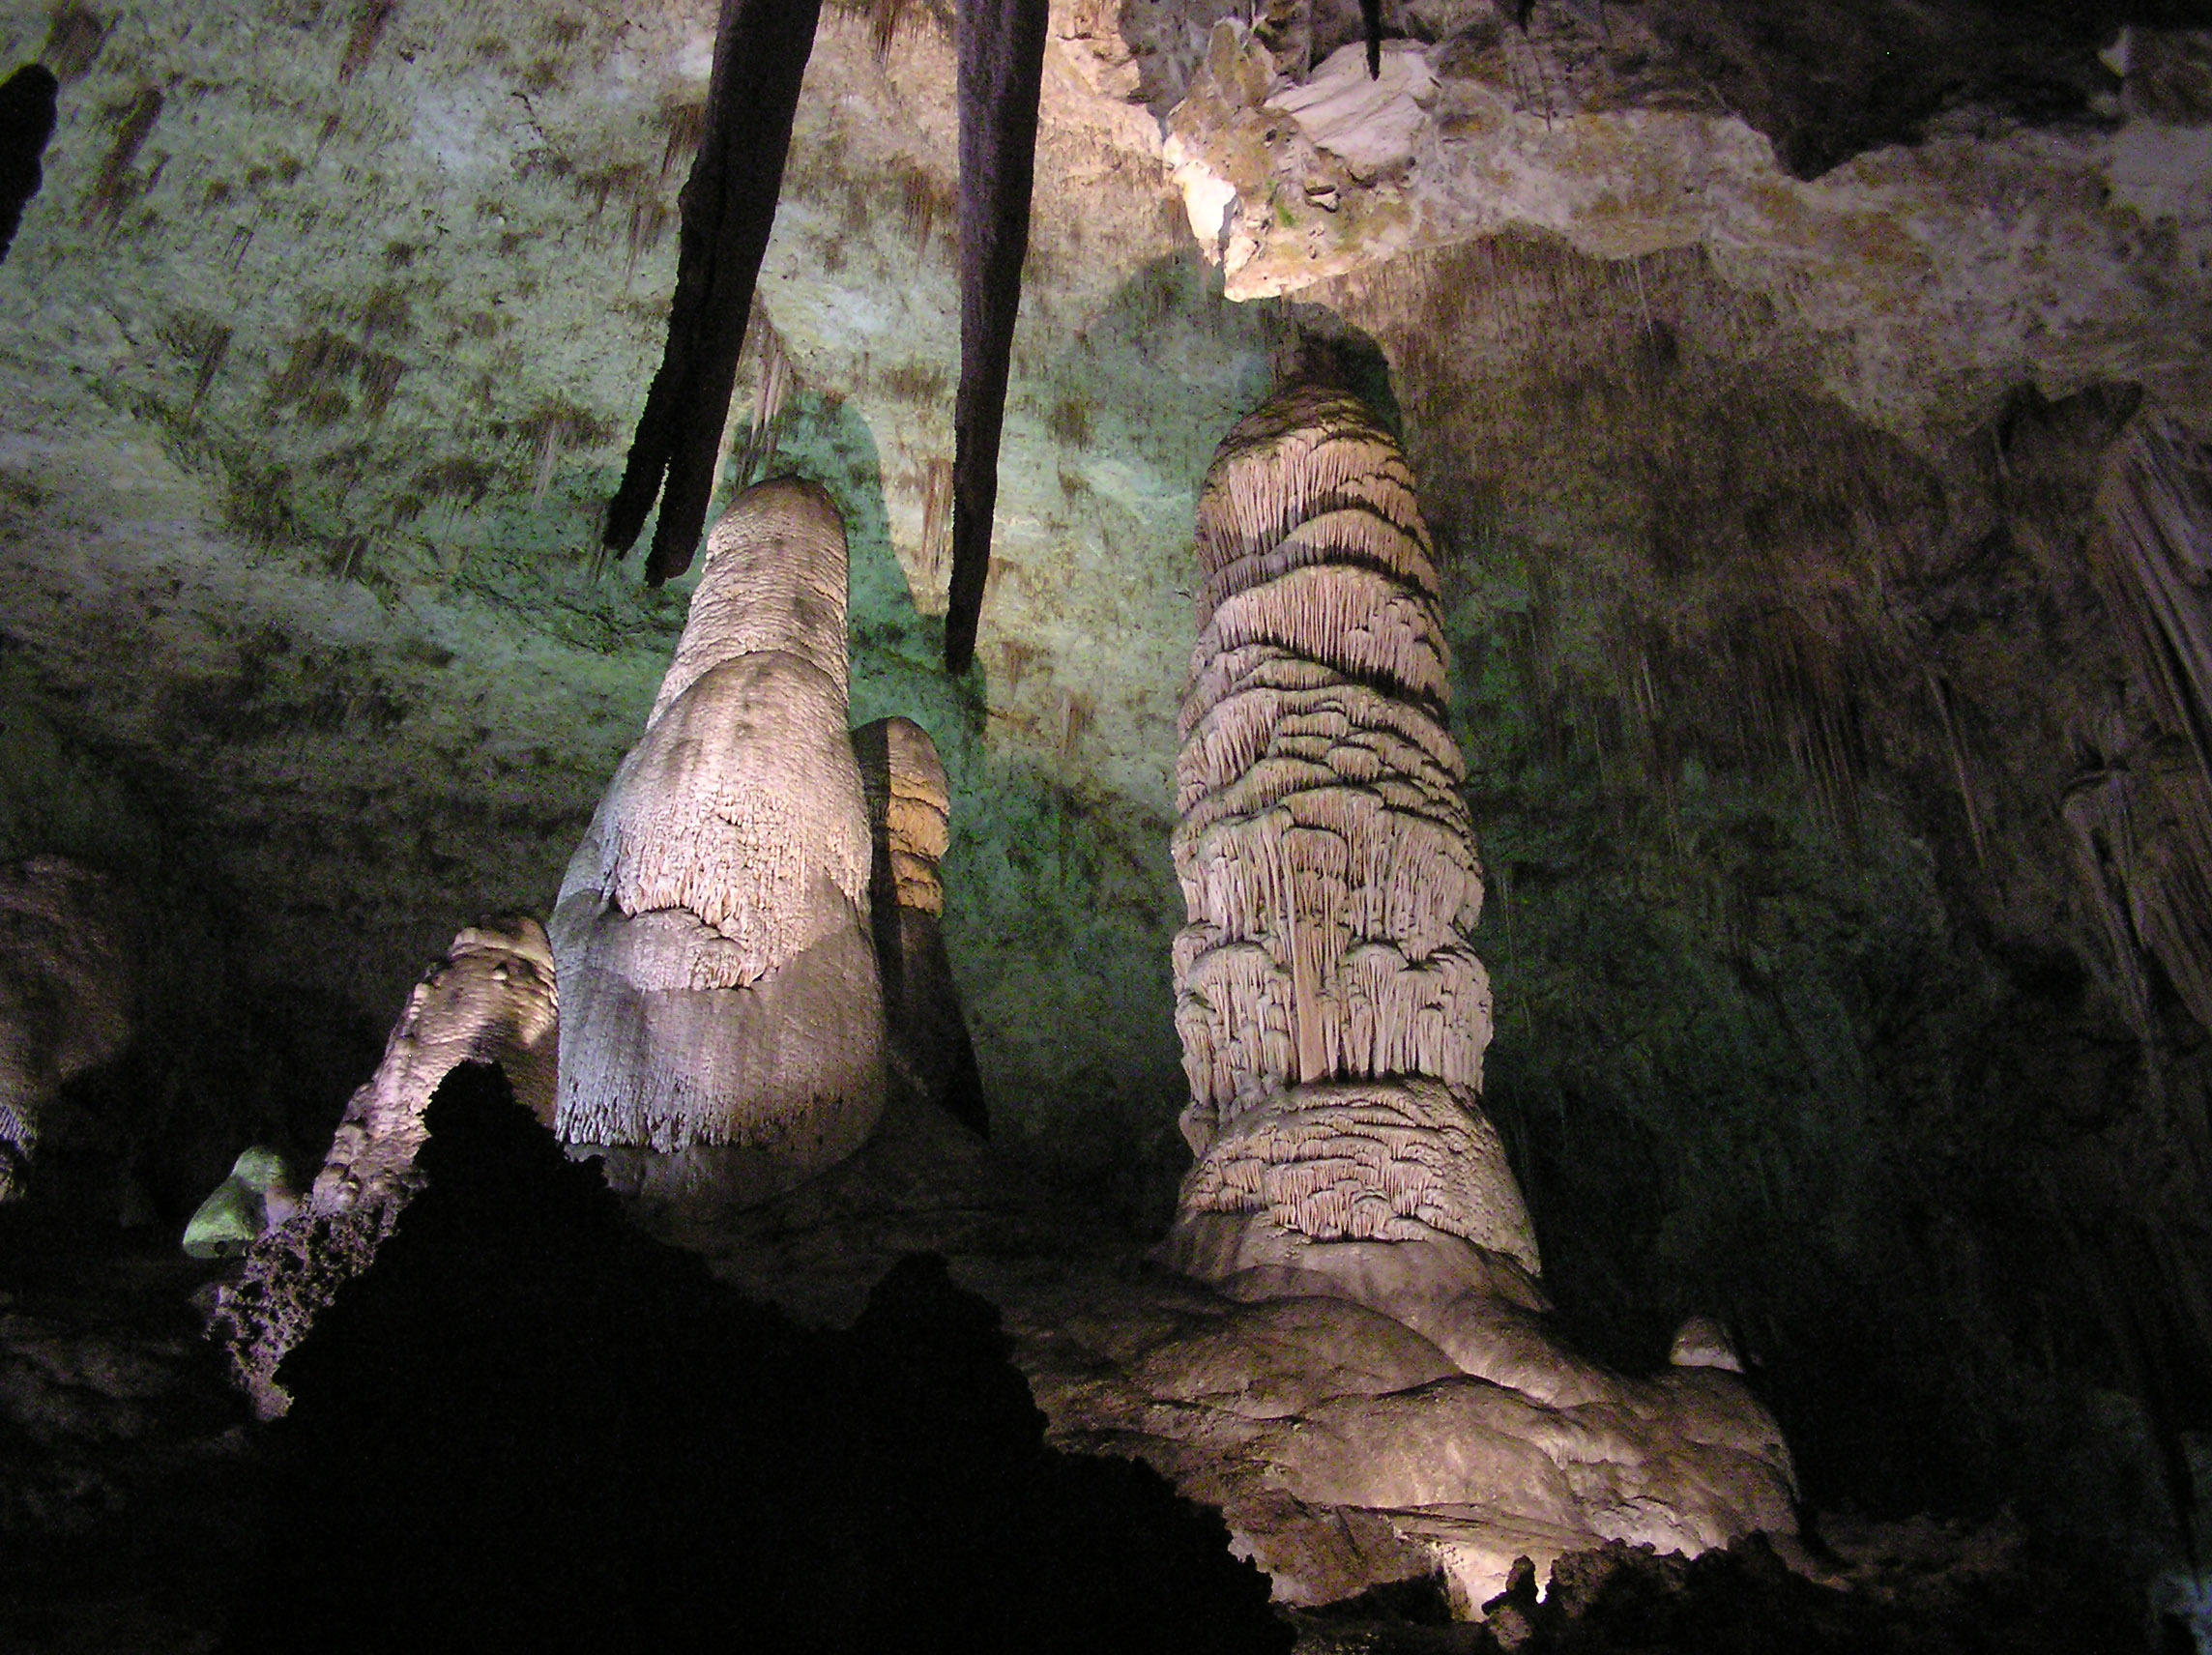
x: 1762, y: 364
x: 926, y: 1040
x: 722, y: 1029
x: 489, y: 1000
x: 1345, y: 1165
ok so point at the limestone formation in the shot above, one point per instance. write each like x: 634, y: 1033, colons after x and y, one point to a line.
x: 721, y: 1027
x: 2144, y: 828
x: 65, y: 998
x: 255, y: 1197
x: 1332, y: 1016
x: 1333, y: 1020
x: 910, y: 821
x: 489, y: 1000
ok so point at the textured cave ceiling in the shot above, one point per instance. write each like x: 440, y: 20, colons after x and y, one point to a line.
x: 1735, y: 343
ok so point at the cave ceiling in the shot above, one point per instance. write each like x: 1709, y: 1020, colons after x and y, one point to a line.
x: 325, y: 336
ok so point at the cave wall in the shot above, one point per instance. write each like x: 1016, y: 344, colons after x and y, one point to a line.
x: 1762, y: 462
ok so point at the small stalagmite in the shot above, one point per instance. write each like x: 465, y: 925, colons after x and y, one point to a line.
x: 491, y: 999
x: 722, y: 1029
x: 1333, y: 1020
x: 910, y: 821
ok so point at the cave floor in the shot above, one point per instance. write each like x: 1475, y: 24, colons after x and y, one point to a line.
x: 132, y: 1481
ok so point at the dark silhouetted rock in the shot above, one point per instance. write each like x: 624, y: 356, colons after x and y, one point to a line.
x: 531, y: 1427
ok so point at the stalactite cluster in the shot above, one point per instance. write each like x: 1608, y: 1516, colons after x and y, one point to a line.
x: 2143, y: 832
x: 1332, y: 1016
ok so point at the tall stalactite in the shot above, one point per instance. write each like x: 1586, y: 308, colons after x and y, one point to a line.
x: 1001, y: 46
x: 26, y: 125
x: 761, y: 49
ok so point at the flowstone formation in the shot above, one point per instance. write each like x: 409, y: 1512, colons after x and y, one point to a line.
x: 721, y: 1030
x: 489, y: 1000
x: 910, y: 824
x: 1349, y: 1193
x: 66, y: 997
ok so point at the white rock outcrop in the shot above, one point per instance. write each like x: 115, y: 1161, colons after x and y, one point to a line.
x: 721, y: 1030
x: 491, y: 999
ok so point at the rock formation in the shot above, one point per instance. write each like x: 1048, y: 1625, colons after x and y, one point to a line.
x: 65, y: 996
x: 490, y: 999
x: 910, y: 820
x: 2142, y: 824
x: 722, y: 1029
x: 761, y: 51
x: 1000, y: 48
x: 257, y: 1195
x: 1333, y: 1020
x: 1332, y: 1016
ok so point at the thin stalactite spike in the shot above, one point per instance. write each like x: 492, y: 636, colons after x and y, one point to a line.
x: 761, y: 51
x: 1001, y: 48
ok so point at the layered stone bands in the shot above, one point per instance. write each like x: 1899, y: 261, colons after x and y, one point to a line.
x: 1332, y: 1016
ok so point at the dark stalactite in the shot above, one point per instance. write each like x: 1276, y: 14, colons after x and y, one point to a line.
x: 1002, y: 74
x: 760, y: 48
x: 1370, y: 19
x: 26, y: 124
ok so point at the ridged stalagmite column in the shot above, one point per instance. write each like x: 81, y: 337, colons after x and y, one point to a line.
x: 721, y: 1030
x: 910, y: 818
x: 1334, y: 1022
x: 1332, y: 1016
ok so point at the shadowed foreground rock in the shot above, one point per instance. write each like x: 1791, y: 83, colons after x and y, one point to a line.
x: 544, y: 1431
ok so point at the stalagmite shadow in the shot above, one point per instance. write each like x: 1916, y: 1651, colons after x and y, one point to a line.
x: 530, y: 1427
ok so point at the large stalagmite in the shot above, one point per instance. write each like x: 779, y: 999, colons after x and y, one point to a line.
x: 721, y: 1030
x: 1333, y: 1020
x: 1332, y: 1015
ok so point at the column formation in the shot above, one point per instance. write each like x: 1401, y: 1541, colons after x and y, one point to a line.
x: 910, y: 818
x: 1332, y: 1015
